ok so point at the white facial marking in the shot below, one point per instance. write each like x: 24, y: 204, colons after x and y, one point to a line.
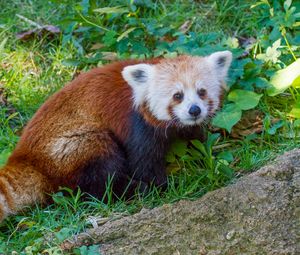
x: 182, y: 110
x: 156, y: 85
x: 159, y: 100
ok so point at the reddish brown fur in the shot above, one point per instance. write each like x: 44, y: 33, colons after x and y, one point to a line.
x: 70, y: 118
x: 74, y: 127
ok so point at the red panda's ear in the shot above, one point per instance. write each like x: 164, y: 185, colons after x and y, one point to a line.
x: 138, y: 77
x: 220, y: 62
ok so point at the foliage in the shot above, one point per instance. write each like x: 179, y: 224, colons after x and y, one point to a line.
x: 214, y: 170
x: 125, y: 31
x: 265, y: 42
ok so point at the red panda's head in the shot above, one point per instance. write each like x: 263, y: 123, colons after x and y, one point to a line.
x: 185, y: 89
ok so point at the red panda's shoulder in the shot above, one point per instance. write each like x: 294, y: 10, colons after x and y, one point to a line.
x: 100, y: 94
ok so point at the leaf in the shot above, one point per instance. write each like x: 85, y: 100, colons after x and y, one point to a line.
x: 238, y: 69
x: 297, y: 123
x: 272, y: 130
x: 232, y: 42
x: 272, y: 53
x: 211, y: 140
x: 179, y: 148
x: 228, y: 117
x: 109, y: 38
x: 89, y: 250
x: 261, y: 83
x: 2, y: 45
x: 295, y: 112
x: 287, y: 4
x: 63, y: 234
x: 226, y: 155
x: 139, y: 48
x: 124, y: 34
x: 296, y: 82
x: 200, y: 146
x: 244, y: 99
x: 173, y: 167
x: 108, y: 10
x: 260, y: 3
x: 226, y: 170
x: 71, y: 62
x: 85, y: 5
x: 284, y: 78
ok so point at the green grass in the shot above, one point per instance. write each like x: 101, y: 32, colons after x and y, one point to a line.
x: 31, y: 71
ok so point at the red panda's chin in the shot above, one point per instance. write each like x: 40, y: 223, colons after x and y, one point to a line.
x: 192, y: 121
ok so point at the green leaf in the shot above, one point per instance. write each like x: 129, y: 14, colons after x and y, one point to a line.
x: 297, y: 123
x: 244, y: 99
x: 200, y: 146
x: 284, y: 78
x: 90, y: 250
x: 170, y: 157
x: 124, y: 34
x: 260, y: 3
x: 237, y: 68
x: 109, y: 38
x: 226, y: 170
x: 296, y: 82
x: 228, y: 117
x: 179, y: 148
x: 71, y: 62
x: 2, y: 45
x: 85, y: 5
x: 226, y: 155
x: 295, y: 112
x: 261, y: 83
x: 232, y: 42
x: 108, y: 10
x: 287, y: 4
x: 211, y: 140
x: 63, y: 234
x: 272, y: 130
x: 139, y: 48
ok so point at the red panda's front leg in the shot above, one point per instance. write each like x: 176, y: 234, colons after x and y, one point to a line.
x: 109, y: 171
x: 146, y: 149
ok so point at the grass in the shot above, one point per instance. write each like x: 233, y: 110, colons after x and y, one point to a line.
x: 31, y: 71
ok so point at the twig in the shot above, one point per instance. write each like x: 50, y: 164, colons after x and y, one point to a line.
x: 29, y: 21
x: 221, y: 146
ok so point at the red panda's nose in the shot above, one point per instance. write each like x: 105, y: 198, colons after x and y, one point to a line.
x: 195, y: 110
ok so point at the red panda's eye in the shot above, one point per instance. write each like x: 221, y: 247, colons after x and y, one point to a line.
x: 178, y: 96
x: 202, y: 93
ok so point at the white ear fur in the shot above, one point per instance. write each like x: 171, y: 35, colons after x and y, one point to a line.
x: 138, y: 77
x: 220, y: 62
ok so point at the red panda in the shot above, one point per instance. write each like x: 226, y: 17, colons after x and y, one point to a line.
x: 114, y: 121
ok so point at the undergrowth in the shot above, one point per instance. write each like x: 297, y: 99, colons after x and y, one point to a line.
x: 259, y: 119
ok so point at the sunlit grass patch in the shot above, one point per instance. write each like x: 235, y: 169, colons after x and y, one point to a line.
x: 30, y: 75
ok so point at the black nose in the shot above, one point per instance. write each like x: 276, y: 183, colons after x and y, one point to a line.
x: 194, y: 110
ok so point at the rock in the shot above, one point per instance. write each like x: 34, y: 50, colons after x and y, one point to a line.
x: 259, y: 214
